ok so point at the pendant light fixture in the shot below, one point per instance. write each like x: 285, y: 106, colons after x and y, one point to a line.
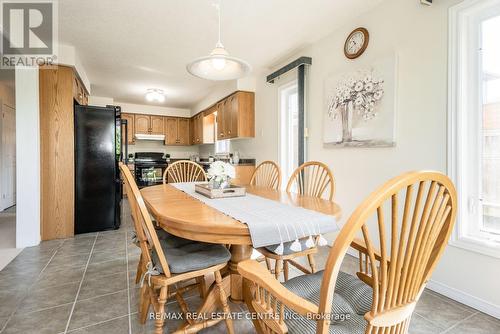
x: 219, y: 65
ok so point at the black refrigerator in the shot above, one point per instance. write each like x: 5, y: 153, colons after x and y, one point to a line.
x: 98, y: 187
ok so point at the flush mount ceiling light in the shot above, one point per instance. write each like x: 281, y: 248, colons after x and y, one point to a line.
x: 155, y: 95
x: 219, y: 65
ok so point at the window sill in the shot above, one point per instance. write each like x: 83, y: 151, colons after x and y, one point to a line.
x: 477, y: 245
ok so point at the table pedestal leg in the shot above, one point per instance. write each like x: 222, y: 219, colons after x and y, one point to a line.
x: 238, y: 253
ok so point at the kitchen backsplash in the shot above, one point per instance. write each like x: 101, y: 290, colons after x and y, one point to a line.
x: 176, y: 152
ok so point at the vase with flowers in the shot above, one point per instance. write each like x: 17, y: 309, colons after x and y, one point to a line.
x: 220, y: 174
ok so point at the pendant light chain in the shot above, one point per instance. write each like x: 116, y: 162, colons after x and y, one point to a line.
x: 218, y: 65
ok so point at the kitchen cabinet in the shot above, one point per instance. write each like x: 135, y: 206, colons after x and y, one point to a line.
x: 148, y: 124
x: 243, y: 174
x: 183, y: 131
x: 80, y: 94
x: 59, y: 88
x: 177, y: 131
x: 236, y: 116
x: 130, y: 128
x: 156, y: 123
x: 141, y: 123
x: 197, y: 129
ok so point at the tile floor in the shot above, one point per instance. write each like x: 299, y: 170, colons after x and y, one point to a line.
x: 86, y: 285
x: 8, y: 250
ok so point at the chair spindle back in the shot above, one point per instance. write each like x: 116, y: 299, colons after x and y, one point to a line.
x: 267, y: 175
x: 146, y: 233
x: 184, y: 171
x: 312, y: 178
x: 399, y: 258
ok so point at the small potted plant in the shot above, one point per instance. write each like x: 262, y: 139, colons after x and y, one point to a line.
x: 219, y: 174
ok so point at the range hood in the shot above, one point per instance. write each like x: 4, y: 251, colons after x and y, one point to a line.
x: 143, y: 136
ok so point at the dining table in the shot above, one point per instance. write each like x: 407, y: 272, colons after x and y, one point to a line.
x: 184, y: 216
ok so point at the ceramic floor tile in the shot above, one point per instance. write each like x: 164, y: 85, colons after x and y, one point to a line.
x: 60, y: 277
x: 8, y: 301
x: 116, y: 326
x: 419, y: 325
x: 477, y: 324
x: 51, y: 321
x: 97, y: 286
x: 104, y: 256
x: 42, y: 298
x: 95, y: 270
x: 439, y: 311
x: 92, y: 311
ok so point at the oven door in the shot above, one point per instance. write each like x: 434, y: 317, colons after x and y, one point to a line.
x: 146, y: 176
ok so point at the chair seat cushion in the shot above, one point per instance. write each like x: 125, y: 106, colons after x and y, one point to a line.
x: 351, y: 300
x: 190, y: 256
x: 286, y: 247
x: 170, y: 240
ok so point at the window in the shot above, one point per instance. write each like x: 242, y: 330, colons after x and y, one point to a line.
x: 475, y: 123
x: 289, y: 127
x: 222, y: 146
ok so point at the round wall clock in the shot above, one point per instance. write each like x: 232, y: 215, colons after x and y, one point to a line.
x: 356, y: 43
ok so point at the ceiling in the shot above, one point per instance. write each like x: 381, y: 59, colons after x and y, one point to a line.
x: 128, y: 46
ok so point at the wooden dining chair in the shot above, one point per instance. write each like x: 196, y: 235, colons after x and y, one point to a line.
x: 267, y: 175
x: 187, y: 260
x: 397, y: 256
x: 184, y: 171
x: 310, y: 179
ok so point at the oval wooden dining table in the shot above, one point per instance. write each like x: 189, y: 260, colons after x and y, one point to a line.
x: 184, y: 216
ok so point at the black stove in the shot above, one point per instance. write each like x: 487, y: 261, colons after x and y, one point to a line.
x: 149, y: 168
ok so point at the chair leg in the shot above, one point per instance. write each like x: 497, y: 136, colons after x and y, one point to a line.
x: 268, y: 264
x: 277, y: 268
x: 223, y: 300
x: 312, y: 262
x: 138, y: 274
x: 202, y: 287
x: 145, y: 302
x: 285, y: 269
x: 160, y: 313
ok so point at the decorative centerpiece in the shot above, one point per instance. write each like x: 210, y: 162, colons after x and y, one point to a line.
x: 219, y: 185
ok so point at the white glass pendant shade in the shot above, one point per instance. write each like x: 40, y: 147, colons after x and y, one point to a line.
x: 219, y: 65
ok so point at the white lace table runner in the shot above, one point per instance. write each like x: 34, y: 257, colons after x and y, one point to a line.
x: 270, y: 222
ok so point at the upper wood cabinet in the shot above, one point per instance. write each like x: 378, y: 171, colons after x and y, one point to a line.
x: 130, y: 128
x: 183, y: 131
x: 177, y: 131
x: 236, y: 116
x: 149, y: 124
x: 80, y: 94
x: 197, y: 137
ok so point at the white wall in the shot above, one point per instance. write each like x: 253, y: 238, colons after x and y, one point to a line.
x: 419, y: 36
x: 153, y: 110
x: 28, y: 158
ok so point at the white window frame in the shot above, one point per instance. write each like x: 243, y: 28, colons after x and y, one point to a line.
x: 284, y: 132
x: 464, y: 85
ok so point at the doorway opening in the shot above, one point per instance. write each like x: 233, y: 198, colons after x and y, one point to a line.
x: 289, y: 129
x: 7, y: 168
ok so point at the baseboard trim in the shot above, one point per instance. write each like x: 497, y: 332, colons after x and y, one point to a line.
x: 457, y: 295
x: 465, y: 298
